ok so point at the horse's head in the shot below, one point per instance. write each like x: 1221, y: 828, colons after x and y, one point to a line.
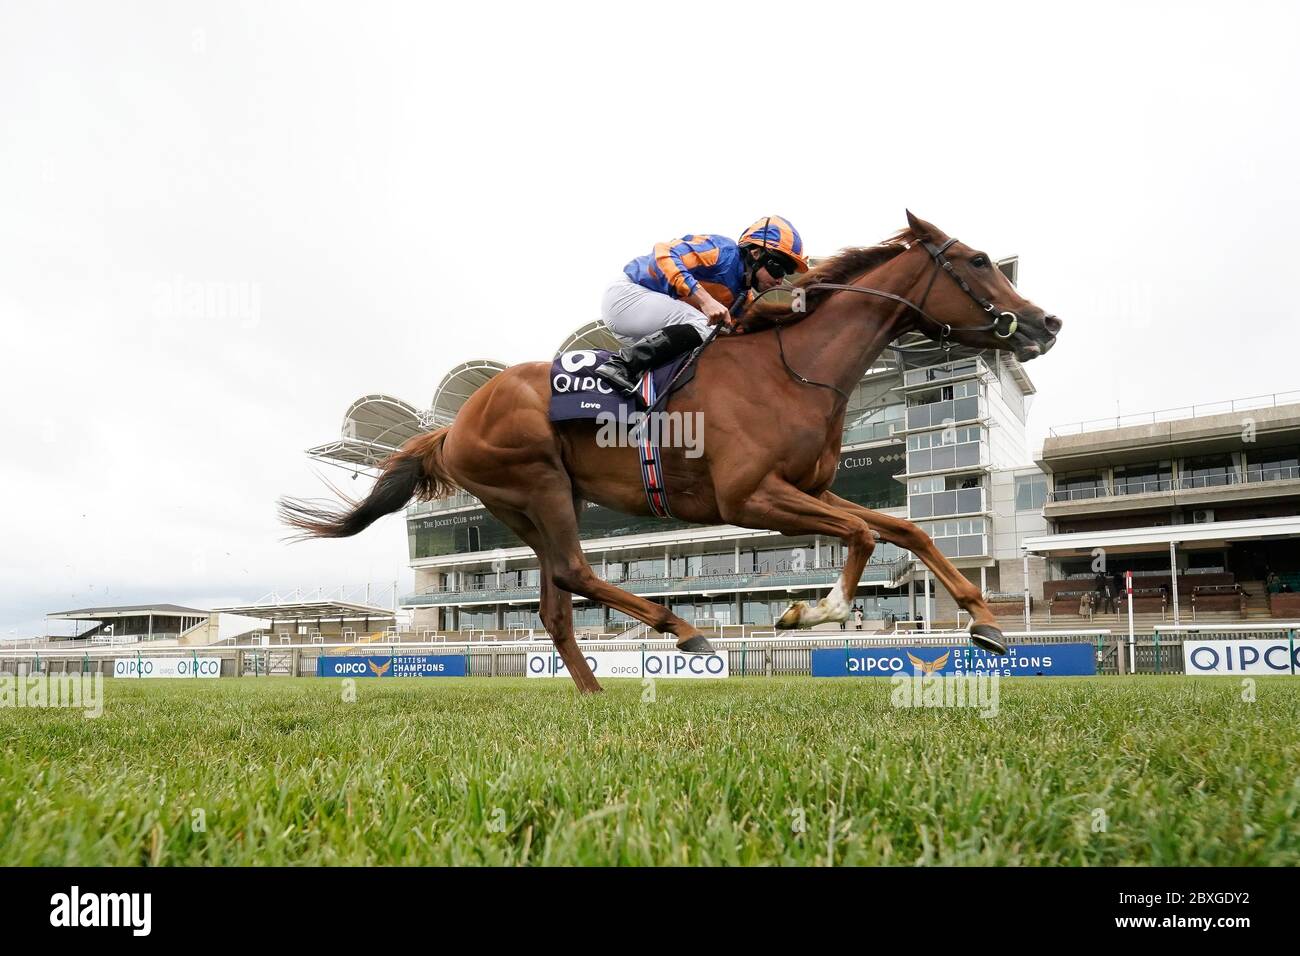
x: 976, y: 301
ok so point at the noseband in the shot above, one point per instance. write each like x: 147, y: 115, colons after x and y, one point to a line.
x: 940, y: 331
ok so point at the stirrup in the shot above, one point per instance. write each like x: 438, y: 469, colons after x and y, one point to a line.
x: 616, y: 374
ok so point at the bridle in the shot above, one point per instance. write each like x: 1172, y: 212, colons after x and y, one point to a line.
x: 943, y: 329
x: 941, y: 262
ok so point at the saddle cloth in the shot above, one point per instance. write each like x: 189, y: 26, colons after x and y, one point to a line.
x: 577, y: 392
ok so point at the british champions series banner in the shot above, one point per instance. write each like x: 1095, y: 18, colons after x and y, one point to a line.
x: 404, y: 665
x: 1033, y: 660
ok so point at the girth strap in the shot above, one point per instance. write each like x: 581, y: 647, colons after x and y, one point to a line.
x: 652, y: 469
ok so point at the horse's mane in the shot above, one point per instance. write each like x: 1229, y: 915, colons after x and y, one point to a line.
x: 840, y: 269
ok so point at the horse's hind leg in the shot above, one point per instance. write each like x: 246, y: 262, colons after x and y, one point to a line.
x: 984, y: 629
x: 570, y: 571
x: 556, y: 610
x: 557, y: 614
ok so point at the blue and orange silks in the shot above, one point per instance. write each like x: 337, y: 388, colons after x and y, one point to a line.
x: 678, y: 268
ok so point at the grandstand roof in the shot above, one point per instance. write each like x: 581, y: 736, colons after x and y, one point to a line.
x: 593, y: 335
x: 310, y: 610
x: 458, y: 385
x: 1142, y: 539
x: 374, y: 427
x: 128, y: 610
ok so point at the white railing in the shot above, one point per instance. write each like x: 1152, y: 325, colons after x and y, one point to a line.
x: 1268, y: 628
x: 755, y: 638
x: 1188, y: 483
x: 115, y: 640
x: 1177, y: 414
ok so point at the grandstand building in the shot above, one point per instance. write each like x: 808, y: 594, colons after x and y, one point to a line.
x: 1200, y: 503
x: 319, y: 616
x: 129, y: 624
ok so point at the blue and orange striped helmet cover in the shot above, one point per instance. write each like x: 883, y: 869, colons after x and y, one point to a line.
x: 777, y: 234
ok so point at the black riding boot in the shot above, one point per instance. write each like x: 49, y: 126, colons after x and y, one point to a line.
x: 624, y: 367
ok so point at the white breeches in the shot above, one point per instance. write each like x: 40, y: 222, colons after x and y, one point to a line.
x: 632, y: 312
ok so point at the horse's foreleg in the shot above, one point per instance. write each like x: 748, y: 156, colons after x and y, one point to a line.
x: 779, y: 506
x: 984, y: 627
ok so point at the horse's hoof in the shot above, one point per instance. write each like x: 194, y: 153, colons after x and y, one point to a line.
x: 789, y: 621
x: 696, y: 645
x: 988, y: 637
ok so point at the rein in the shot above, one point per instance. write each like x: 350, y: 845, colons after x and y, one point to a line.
x: 941, y: 263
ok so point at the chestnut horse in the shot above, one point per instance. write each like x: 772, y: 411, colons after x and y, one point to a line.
x: 772, y: 404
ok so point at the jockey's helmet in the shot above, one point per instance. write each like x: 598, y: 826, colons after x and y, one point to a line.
x: 775, y: 234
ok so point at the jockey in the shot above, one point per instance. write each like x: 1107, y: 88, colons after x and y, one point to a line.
x: 665, y: 302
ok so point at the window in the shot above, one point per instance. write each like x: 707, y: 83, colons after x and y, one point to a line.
x: 868, y: 423
x: 951, y: 403
x: 1273, y: 464
x: 1207, y: 471
x: 939, y: 373
x: 1144, y: 479
x: 945, y: 449
x: 1031, y: 492
x: 1080, y: 487
x: 722, y: 563
x: 945, y: 495
x: 589, y: 617
x: 959, y: 537
x: 645, y: 568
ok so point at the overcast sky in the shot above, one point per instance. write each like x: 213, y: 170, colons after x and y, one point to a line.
x: 379, y: 192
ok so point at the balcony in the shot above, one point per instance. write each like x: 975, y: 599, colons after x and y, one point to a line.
x: 877, y: 572
x: 1203, y: 489
x: 941, y: 414
x: 930, y: 376
x: 949, y: 503
x: 961, y: 456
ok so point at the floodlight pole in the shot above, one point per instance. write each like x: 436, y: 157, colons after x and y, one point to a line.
x: 1173, y: 577
x: 1026, y: 567
x: 1132, y: 641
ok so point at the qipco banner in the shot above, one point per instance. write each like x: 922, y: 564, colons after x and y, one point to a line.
x: 167, y: 667
x: 1036, y: 660
x: 403, y: 665
x: 1275, y: 656
x: 633, y: 664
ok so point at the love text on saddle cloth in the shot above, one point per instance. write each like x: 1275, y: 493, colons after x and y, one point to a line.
x: 578, y: 393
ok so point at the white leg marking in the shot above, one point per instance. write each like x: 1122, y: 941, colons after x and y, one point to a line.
x: 832, y: 607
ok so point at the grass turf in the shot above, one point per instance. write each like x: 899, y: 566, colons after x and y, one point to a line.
x: 1144, y: 770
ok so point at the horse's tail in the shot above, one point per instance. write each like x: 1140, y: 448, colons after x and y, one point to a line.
x: 415, y: 471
